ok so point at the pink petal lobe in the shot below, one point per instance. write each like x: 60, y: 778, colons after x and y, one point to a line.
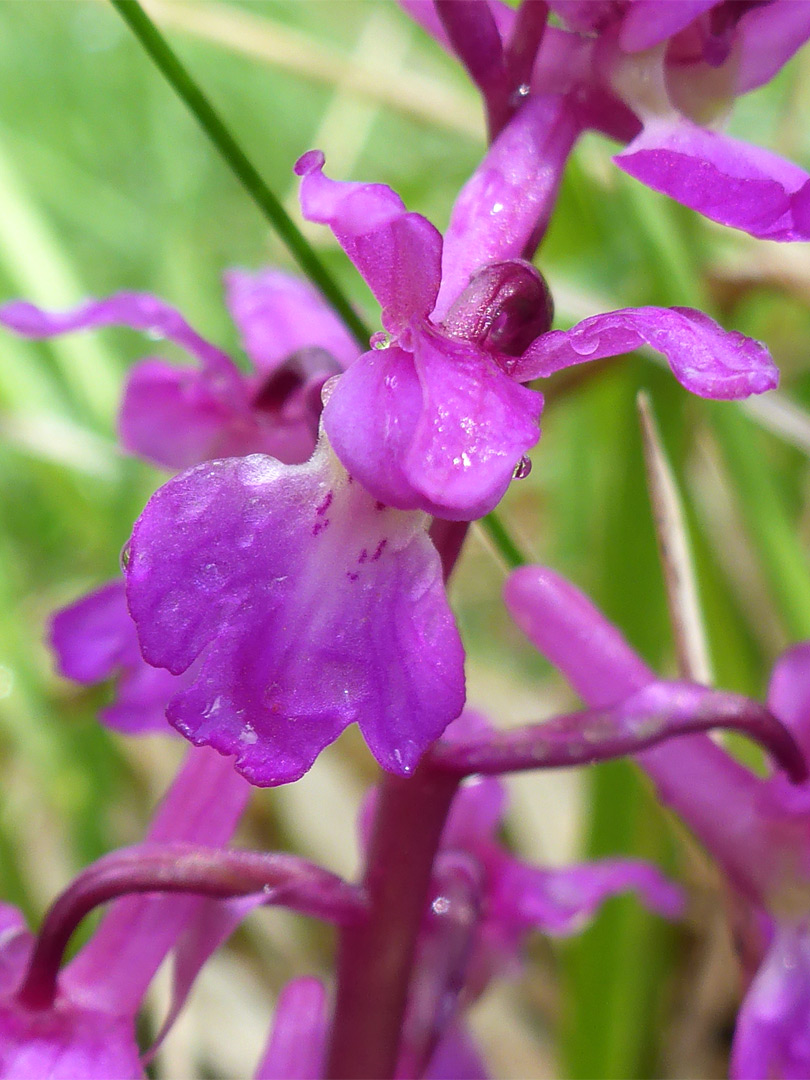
x: 725, y: 179
x: 294, y: 588
x: 370, y: 419
x: 562, y: 902
x: 177, y: 417
x: 277, y: 314
x: 65, y: 1043
x: 567, y: 628
x: 95, y: 639
x: 475, y: 425
x: 771, y: 1038
x: 397, y: 252
x: 789, y: 692
x: 139, y: 311
x: 705, y: 358
x: 296, y: 1049
x: 649, y: 22
x: 768, y: 36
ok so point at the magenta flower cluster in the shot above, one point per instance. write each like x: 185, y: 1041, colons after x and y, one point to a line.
x: 289, y: 580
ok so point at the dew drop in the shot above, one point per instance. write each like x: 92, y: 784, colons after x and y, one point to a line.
x: 126, y: 555
x: 380, y: 340
x: 520, y: 94
x: 154, y: 334
x: 523, y: 468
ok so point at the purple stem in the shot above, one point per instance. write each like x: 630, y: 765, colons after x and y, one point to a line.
x: 375, y: 959
x: 600, y: 734
x: 476, y: 41
x: 181, y: 868
x: 445, y: 947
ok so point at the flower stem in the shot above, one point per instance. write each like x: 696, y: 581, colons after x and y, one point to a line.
x: 502, y: 542
x: 187, y: 89
x: 646, y: 719
x: 376, y: 955
x: 181, y: 868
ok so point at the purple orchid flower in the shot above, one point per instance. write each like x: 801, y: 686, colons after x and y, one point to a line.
x: 757, y: 829
x: 173, y: 895
x: 435, y: 419
x: 88, y: 1030
x: 176, y: 417
x: 655, y: 75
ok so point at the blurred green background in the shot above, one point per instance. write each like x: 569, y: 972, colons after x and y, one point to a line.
x: 107, y: 183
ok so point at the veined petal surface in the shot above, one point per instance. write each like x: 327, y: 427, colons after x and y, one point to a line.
x: 310, y: 606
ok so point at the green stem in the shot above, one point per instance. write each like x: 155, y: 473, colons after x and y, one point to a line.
x: 502, y: 541
x: 167, y: 62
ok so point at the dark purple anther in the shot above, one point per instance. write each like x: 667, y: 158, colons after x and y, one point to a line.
x: 503, y: 309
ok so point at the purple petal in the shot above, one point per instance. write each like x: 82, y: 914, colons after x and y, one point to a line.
x: 511, y: 194
x: 295, y: 588
x: 476, y: 814
x: 562, y: 902
x: 423, y: 12
x: 475, y: 40
x: 440, y: 430
x: 649, y: 22
x: 772, y: 1038
x: 789, y: 692
x: 65, y: 1043
x: 296, y: 1049
x: 474, y: 427
x: 705, y: 358
x: 456, y: 1057
x: 698, y: 779
x: 370, y: 419
x: 397, y: 252
x: 213, y: 923
x: 725, y: 179
x: 139, y: 311
x: 563, y: 624
x: 277, y: 314
x: 113, y: 970
x: 95, y: 639
x: 768, y: 36
x: 16, y: 942
x: 178, y: 417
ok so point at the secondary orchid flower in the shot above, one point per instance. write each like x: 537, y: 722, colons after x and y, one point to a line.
x: 89, y: 1028
x: 175, y: 417
x: 757, y: 829
x: 660, y: 76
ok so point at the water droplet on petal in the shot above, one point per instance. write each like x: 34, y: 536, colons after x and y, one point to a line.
x: 380, y: 340
x: 523, y: 468
x: 520, y: 94
x: 154, y: 334
x: 126, y: 555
